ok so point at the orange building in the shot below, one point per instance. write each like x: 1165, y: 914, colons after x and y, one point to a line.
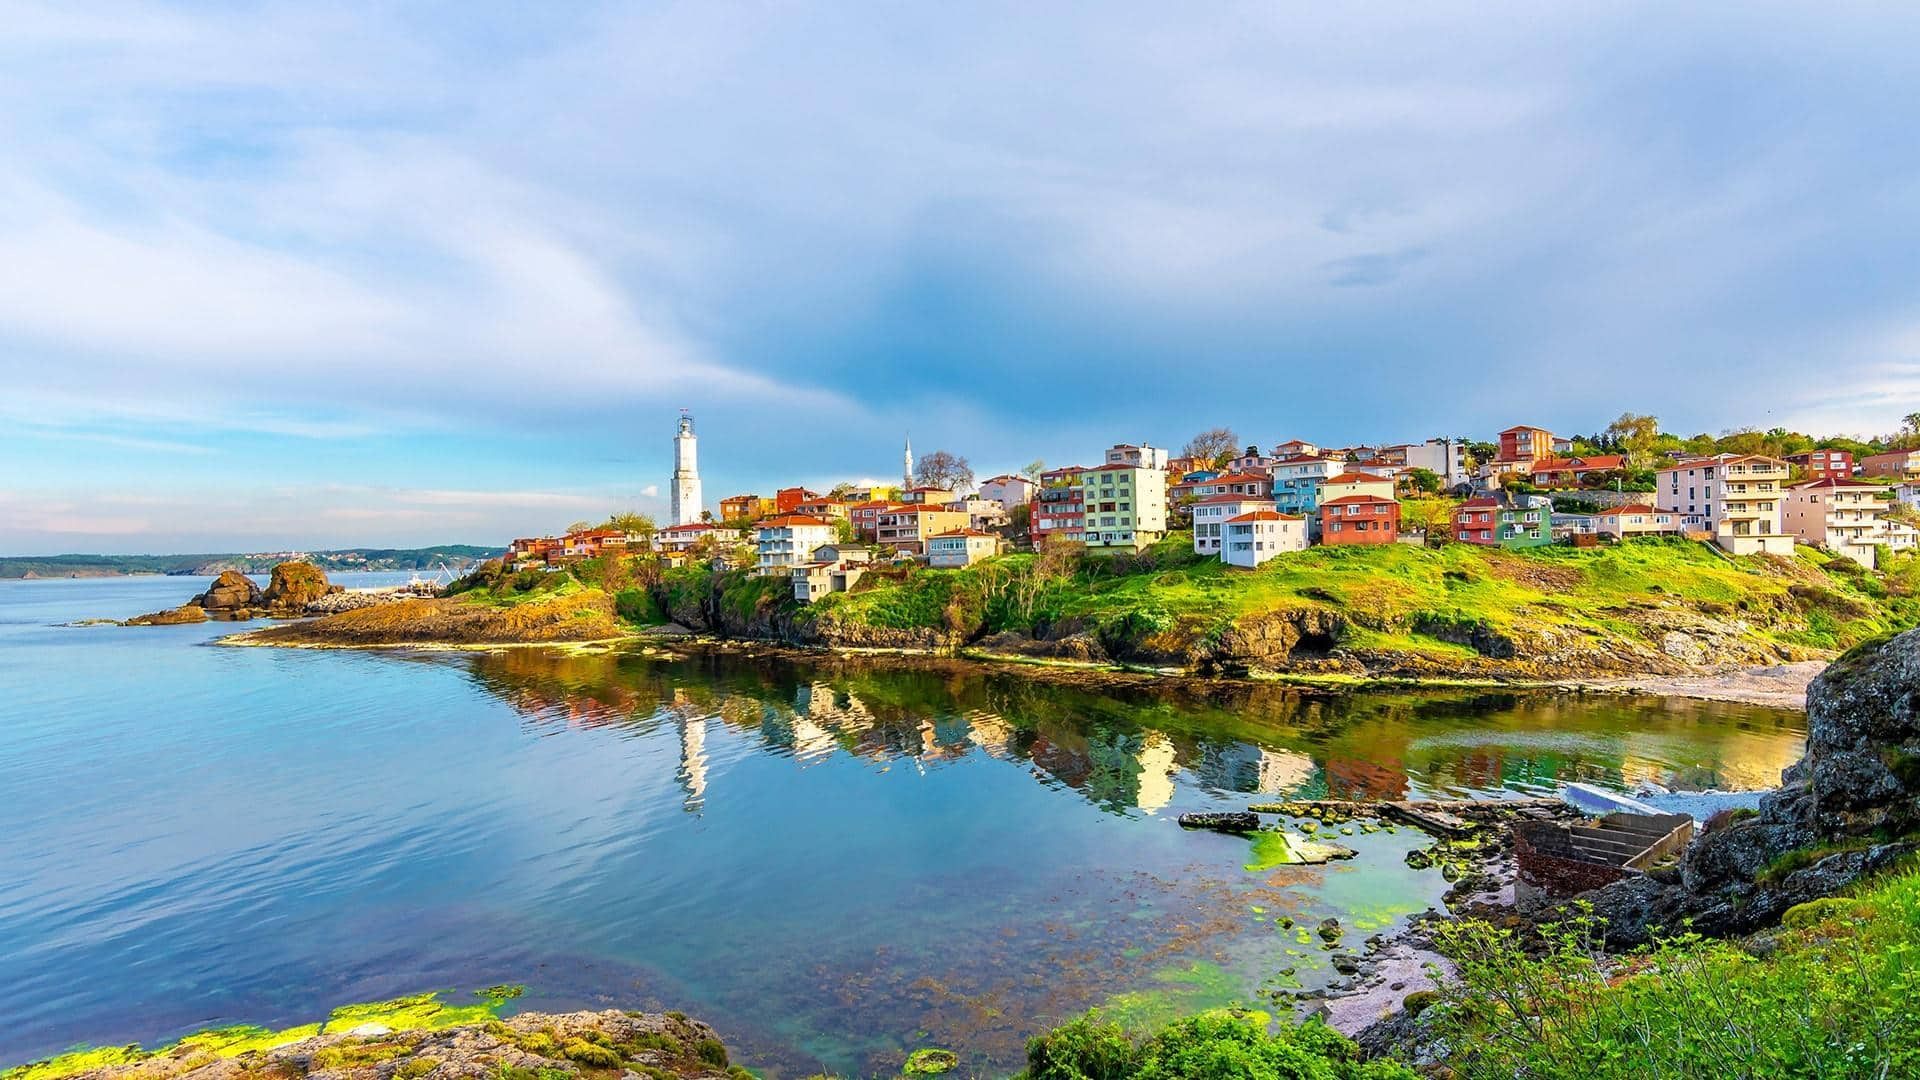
x: 1359, y: 519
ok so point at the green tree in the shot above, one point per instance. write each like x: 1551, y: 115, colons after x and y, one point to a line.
x: 1424, y: 480
x: 633, y: 523
x: 1033, y: 471
x: 1635, y: 434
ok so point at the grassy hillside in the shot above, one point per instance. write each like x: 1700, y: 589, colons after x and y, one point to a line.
x: 1647, y: 606
x: 1453, y: 601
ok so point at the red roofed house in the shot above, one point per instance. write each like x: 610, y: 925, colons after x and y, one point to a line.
x: 533, y: 549
x: 746, y: 508
x: 1211, y: 514
x: 1254, y: 537
x: 1736, y: 497
x: 682, y: 537
x: 788, y: 500
x: 1568, y: 472
x: 823, y: 507
x: 1525, y: 443
x: 906, y: 528
x: 1504, y: 522
x: 961, y: 547
x: 1236, y: 483
x: 1636, y: 519
x: 1825, y: 464
x: 1359, y: 519
x: 865, y: 517
x: 790, y: 540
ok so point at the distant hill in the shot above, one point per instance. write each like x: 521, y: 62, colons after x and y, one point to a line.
x: 47, y: 566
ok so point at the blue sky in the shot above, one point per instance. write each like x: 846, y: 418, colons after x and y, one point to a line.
x: 278, y: 275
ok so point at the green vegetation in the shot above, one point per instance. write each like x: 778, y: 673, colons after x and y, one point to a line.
x: 1829, y: 994
x: 1216, y: 1045
x: 415, y: 1012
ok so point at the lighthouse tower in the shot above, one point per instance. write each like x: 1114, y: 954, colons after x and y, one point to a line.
x: 686, y: 474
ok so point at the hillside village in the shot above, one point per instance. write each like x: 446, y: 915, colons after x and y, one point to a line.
x: 1245, y: 506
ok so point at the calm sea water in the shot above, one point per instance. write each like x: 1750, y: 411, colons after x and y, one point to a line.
x: 833, y: 863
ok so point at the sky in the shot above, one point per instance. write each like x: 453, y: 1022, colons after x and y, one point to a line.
x: 287, y: 275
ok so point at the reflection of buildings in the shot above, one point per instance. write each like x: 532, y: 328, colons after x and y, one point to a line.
x: 1124, y: 749
x: 693, y: 762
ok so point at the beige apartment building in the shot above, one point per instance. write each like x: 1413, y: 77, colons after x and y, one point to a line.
x: 1844, y: 516
x: 1735, y: 497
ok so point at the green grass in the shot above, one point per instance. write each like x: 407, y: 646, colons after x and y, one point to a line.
x: 1831, y: 997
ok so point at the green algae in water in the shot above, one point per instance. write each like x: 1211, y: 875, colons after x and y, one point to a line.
x: 930, y: 1062
x: 415, y: 1012
x: 1181, y: 991
x: 1278, y: 848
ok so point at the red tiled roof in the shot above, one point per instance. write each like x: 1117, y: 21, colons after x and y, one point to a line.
x: 1358, y: 478
x: 1833, y: 483
x: 1355, y: 499
x: 1301, y: 459
x: 1263, y: 515
x: 1480, y: 504
x: 1230, y: 497
x: 793, y: 521
x: 1585, y: 464
x: 1524, y: 427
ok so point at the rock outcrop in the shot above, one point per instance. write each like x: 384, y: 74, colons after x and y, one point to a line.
x: 1847, y: 809
x: 627, y: 1046
x: 231, y: 593
x: 295, y: 585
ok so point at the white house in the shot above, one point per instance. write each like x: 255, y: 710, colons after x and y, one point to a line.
x: 1008, y: 491
x: 833, y: 569
x: 1255, y: 537
x: 1211, y: 514
x: 1144, y: 456
x: 961, y: 547
x: 786, y: 542
x: 1445, y: 457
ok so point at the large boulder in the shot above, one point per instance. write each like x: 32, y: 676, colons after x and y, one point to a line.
x: 294, y: 585
x: 231, y: 591
x: 1848, y: 809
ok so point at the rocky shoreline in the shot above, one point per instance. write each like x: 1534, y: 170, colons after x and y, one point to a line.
x: 528, y: 1046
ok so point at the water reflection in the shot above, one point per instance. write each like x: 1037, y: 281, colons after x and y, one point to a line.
x: 1126, y: 746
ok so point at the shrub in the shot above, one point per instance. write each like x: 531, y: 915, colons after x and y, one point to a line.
x: 1217, y: 1045
x: 1086, y: 1049
x: 587, y: 1053
x: 711, y: 1051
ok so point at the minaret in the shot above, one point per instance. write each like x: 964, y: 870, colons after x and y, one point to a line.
x: 686, y: 474
x: 906, y: 461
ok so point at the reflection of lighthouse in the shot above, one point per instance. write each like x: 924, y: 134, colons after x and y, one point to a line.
x: 693, y: 762
x: 1157, y: 768
x: 686, y: 474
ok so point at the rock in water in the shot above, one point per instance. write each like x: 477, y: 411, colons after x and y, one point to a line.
x: 1858, y: 783
x: 230, y: 592
x: 185, y: 613
x: 295, y: 585
x: 1233, y: 821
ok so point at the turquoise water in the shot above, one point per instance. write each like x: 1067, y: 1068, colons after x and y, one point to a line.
x: 834, y: 863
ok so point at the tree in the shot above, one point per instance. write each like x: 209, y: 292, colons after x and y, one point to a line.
x: 844, y: 532
x: 944, y: 470
x: 840, y: 491
x: 1212, y: 445
x: 1034, y: 470
x: 579, y: 527
x: 633, y: 523
x: 1424, y: 480
x: 1635, y: 435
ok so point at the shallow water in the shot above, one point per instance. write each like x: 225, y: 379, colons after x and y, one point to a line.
x: 833, y: 862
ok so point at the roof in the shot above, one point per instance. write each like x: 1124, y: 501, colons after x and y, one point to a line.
x: 963, y: 532
x: 922, y: 508
x: 1239, y: 478
x: 1264, y: 515
x: 1004, y: 478
x: 1357, y: 499
x: 1575, y: 464
x: 793, y: 521
x: 1480, y: 503
x: 1523, y: 427
x: 1303, y: 459
x: 1358, y: 478
x: 1831, y: 483
x: 1718, y: 459
x: 1119, y: 466
x: 1230, y: 497
x: 691, y: 526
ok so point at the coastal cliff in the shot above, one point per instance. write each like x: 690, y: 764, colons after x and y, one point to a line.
x: 1649, y: 607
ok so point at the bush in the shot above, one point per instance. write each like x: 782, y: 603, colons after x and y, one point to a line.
x: 1217, y: 1045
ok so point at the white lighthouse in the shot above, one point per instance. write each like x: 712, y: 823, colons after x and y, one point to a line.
x: 686, y: 474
